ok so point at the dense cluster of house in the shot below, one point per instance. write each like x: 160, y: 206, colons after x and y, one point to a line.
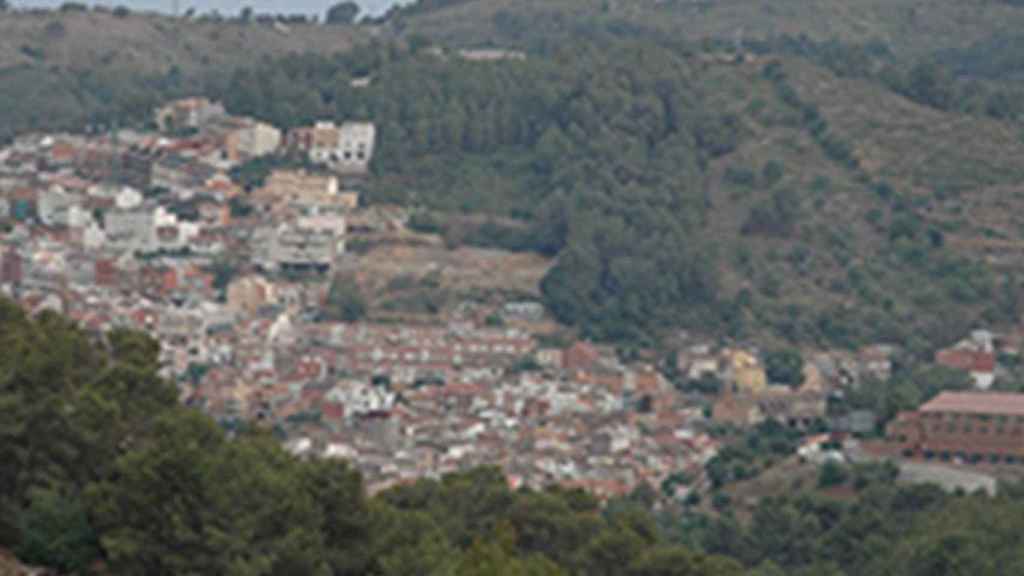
x: 148, y: 230
x: 748, y: 397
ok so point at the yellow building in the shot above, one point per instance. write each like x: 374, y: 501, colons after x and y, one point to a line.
x: 747, y: 372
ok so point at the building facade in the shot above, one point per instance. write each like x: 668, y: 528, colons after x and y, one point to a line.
x: 289, y: 186
x: 187, y: 113
x: 255, y: 140
x: 356, y: 141
x: 347, y: 148
x: 968, y: 426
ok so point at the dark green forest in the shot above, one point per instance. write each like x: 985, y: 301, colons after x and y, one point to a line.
x: 105, y: 473
x: 609, y: 154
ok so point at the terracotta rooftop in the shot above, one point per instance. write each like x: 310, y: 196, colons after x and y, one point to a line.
x: 969, y: 360
x: 977, y: 403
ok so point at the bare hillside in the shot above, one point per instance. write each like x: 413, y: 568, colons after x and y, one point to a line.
x: 911, y: 27
x: 152, y: 43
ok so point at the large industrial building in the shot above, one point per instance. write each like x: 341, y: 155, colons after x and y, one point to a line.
x: 965, y: 426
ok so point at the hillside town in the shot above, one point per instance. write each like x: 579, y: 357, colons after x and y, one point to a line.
x: 152, y: 231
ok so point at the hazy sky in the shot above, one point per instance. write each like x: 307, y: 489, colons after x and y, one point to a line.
x: 225, y: 6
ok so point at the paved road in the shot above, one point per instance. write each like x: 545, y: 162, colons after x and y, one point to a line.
x: 948, y: 477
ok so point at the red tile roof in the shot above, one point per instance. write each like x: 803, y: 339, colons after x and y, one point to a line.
x: 62, y: 151
x: 969, y: 360
x: 976, y: 403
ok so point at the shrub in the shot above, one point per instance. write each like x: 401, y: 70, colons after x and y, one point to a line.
x: 832, y: 474
x: 425, y: 223
x: 345, y: 301
x: 743, y: 177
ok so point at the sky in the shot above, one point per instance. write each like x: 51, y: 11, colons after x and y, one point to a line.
x: 371, y: 7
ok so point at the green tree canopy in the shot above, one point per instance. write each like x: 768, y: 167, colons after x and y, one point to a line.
x: 343, y: 13
x: 785, y: 366
x: 345, y: 301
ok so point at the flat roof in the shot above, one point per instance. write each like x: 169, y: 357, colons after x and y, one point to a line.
x: 977, y: 403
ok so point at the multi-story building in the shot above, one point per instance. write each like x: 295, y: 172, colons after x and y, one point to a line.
x: 746, y: 372
x: 347, y: 148
x: 176, y: 172
x: 356, y: 141
x: 292, y: 248
x: 317, y: 140
x: 129, y: 228
x: 255, y: 140
x: 58, y: 208
x: 187, y: 113
x: 284, y: 187
x: 970, y: 426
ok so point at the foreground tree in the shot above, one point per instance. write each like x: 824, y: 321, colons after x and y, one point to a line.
x: 191, y: 502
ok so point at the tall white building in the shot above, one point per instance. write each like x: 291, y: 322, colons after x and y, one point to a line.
x: 356, y: 141
x: 347, y: 148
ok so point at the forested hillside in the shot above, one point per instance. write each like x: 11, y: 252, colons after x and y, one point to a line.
x: 912, y: 28
x: 824, y: 184
x: 104, y: 473
x: 816, y: 192
x: 73, y: 67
